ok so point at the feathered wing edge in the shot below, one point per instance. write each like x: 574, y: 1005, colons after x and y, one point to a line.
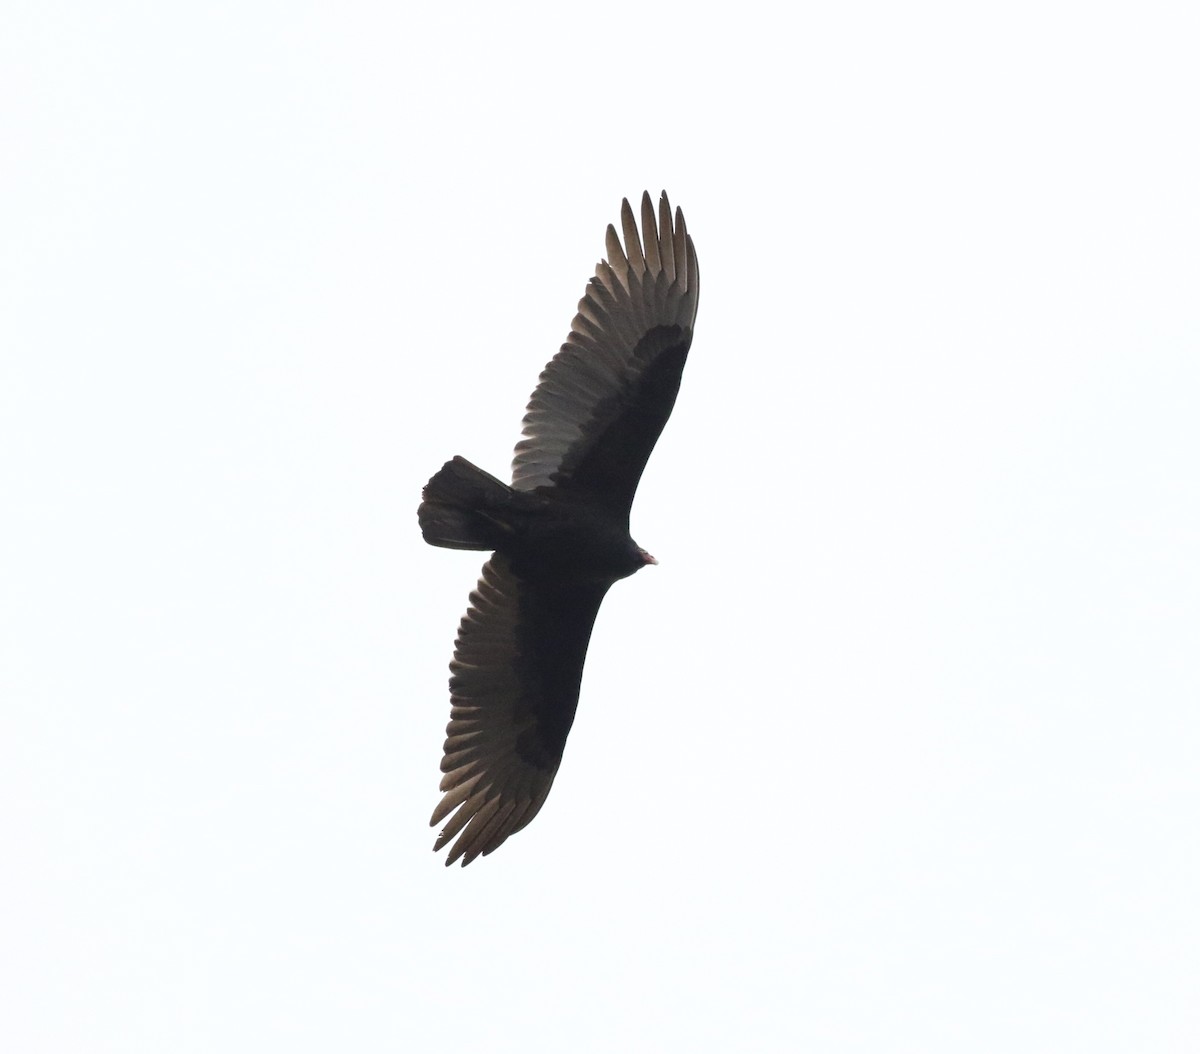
x: 494, y: 789
x: 654, y: 281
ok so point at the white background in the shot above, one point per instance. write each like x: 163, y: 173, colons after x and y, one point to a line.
x: 896, y: 750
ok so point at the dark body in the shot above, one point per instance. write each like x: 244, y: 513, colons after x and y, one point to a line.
x: 560, y: 532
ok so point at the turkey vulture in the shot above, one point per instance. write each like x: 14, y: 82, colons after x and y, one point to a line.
x: 560, y: 532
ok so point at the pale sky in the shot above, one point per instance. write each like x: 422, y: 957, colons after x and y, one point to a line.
x: 897, y: 749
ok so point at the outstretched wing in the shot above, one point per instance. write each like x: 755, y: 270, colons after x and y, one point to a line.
x: 514, y: 687
x: 602, y: 401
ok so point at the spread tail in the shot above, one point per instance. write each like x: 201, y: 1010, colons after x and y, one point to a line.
x: 463, y: 507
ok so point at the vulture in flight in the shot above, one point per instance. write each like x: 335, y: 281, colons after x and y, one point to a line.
x: 559, y: 534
